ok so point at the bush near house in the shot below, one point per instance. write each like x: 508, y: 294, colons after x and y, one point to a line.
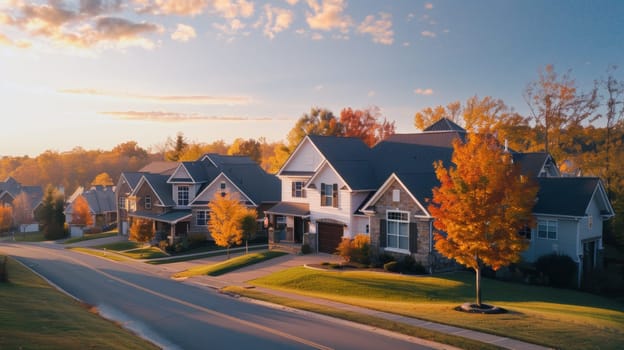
x: 559, y: 270
x: 355, y: 250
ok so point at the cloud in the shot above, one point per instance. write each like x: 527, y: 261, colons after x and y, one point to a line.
x: 185, y: 99
x: 277, y: 20
x: 183, y: 33
x: 380, y: 29
x: 173, y: 117
x: 424, y: 92
x: 231, y: 28
x: 372, y: 93
x: 428, y: 34
x: 328, y: 15
x: 89, y: 25
x: 317, y: 36
x: 292, y: 2
x: 428, y: 6
x: 318, y: 87
x: 6, y: 41
x: 233, y: 8
x: 171, y: 7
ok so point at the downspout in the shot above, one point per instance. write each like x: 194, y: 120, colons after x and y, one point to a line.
x: 430, y: 246
x: 579, y: 254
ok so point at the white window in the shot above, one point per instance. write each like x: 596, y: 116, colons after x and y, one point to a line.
x: 590, y: 222
x: 202, y: 218
x: 147, y: 202
x: 396, y: 195
x: 121, y: 202
x: 298, y: 191
x: 329, y: 195
x: 547, y: 229
x: 183, y: 195
x: 397, y: 230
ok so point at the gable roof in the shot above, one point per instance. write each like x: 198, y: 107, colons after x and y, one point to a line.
x: 101, y: 199
x: 570, y: 196
x: 253, y: 181
x: 444, y: 124
x: 159, y: 185
x: 531, y: 164
x: 436, y: 139
x: 160, y: 167
x: 132, y: 178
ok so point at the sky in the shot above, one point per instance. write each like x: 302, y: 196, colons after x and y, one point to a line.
x: 96, y: 73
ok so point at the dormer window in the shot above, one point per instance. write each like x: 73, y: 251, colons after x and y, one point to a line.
x: 147, y: 202
x: 183, y: 195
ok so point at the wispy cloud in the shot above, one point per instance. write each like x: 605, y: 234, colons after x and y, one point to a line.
x: 380, y: 29
x: 171, y: 7
x: 428, y: 6
x: 428, y: 34
x: 233, y: 8
x: 183, y: 33
x: 183, y: 99
x: 6, y: 41
x: 371, y: 93
x: 328, y: 15
x: 318, y: 87
x: 176, y: 117
x: 424, y: 92
x: 292, y: 2
x: 277, y: 20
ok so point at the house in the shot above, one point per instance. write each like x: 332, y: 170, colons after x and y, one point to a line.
x: 102, y: 205
x: 334, y: 188
x: 10, y: 189
x: 175, y: 195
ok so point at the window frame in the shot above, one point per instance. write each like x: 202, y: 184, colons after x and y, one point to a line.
x: 298, y: 189
x: 187, y: 190
x: 332, y: 197
x: 400, y: 223
x: 147, y: 202
x: 549, y: 224
x: 206, y: 217
x: 121, y: 202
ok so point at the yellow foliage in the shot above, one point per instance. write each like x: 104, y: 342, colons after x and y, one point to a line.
x: 81, y: 213
x: 226, y: 214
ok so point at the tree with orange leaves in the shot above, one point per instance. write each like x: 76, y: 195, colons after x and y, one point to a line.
x: 6, y: 218
x: 81, y: 213
x: 366, y: 124
x: 480, y: 207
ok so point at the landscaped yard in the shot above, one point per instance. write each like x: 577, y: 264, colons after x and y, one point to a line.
x: 554, y: 317
x: 91, y: 236
x: 34, y: 315
x: 230, y: 264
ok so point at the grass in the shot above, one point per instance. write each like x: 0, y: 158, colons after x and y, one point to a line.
x: 196, y: 256
x: 29, y: 237
x: 553, y: 317
x: 101, y: 253
x: 230, y: 264
x: 33, y: 315
x: 88, y: 237
x: 372, y: 321
x: 120, y: 246
x: 144, y: 253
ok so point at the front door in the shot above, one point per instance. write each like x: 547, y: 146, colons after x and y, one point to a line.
x: 298, y: 229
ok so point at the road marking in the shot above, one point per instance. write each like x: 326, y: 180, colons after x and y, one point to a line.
x: 200, y: 308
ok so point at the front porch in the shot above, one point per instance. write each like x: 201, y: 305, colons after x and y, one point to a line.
x: 173, y: 225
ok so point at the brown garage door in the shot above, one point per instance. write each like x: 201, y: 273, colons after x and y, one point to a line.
x: 329, y: 237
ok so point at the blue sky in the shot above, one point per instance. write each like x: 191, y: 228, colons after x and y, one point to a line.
x: 95, y: 73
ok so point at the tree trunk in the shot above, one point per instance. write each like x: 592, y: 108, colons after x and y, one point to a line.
x: 227, y: 249
x: 246, y: 247
x: 478, y: 285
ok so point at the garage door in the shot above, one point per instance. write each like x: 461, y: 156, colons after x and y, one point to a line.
x: 329, y: 237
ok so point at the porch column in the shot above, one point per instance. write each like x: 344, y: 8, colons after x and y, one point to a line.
x: 172, y: 234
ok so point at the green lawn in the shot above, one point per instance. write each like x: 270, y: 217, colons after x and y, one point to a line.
x: 34, y: 315
x: 229, y: 265
x: 90, y: 236
x: 195, y: 256
x: 120, y: 245
x: 554, y: 317
x: 144, y: 253
x: 29, y: 236
x: 111, y: 255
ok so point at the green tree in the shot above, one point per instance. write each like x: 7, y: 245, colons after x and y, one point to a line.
x: 141, y: 230
x: 480, y: 207
x: 319, y: 121
x: 226, y: 213
x: 176, y: 148
x: 249, y: 225
x: 52, y: 218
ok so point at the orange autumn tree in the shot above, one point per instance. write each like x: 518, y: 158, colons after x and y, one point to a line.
x: 480, y: 206
x: 226, y: 220
x: 81, y: 213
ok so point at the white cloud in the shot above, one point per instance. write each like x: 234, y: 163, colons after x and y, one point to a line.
x: 317, y: 36
x: 424, y: 92
x: 371, y: 93
x: 233, y: 8
x: 178, y: 99
x: 406, y: 43
x: 175, y: 117
x: 183, y: 33
x: 231, y: 28
x: 380, y: 29
x: 319, y: 87
x: 328, y: 15
x: 428, y: 34
x: 428, y: 6
x: 292, y: 2
x: 277, y: 20
x: 171, y: 7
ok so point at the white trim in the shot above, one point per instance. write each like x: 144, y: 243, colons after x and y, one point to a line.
x: 141, y: 181
x: 178, y: 168
x: 230, y: 181
x: 397, y: 250
x: 318, y: 172
x: 293, y: 155
x: 605, y: 200
x: 385, y: 187
x: 207, y: 156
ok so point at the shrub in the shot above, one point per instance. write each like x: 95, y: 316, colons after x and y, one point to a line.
x: 4, y: 274
x: 163, y: 245
x: 409, y: 265
x: 356, y: 249
x: 560, y: 270
x: 305, y: 249
x: 196, y: 239
x: 391, y: 266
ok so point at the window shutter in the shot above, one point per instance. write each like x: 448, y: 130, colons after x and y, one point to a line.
x: 335, y: 195
x: 322, y: 194
x: 292, y: 193
x: 413, y: 237
x: 382, y: 233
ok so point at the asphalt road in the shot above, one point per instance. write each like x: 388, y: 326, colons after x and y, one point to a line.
x: 178, y: 315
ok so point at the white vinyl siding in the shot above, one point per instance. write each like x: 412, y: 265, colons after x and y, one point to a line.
x: 547, y: 229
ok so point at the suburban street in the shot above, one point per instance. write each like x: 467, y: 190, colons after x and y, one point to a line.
x: 178, y: 315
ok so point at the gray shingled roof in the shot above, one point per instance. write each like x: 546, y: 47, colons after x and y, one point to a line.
x: 253, y: 181
x: 436, y: 139
x: 133, y: 178
x: 160, y: 167
x: 568, y: 196
x: 161, y: 187
x: 101, y: 199
x: 290, y: 208
x: 531, y: 163
x: 444, y: 124
x: 14, y: 188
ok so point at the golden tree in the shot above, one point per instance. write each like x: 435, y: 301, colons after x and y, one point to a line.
x: 22, y: 210
x: 6, y: 218
x: 102, y: 179
x: 142, y: 230
x: 81, y: 212
x: 480, y: 207
x: 226, y: 216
